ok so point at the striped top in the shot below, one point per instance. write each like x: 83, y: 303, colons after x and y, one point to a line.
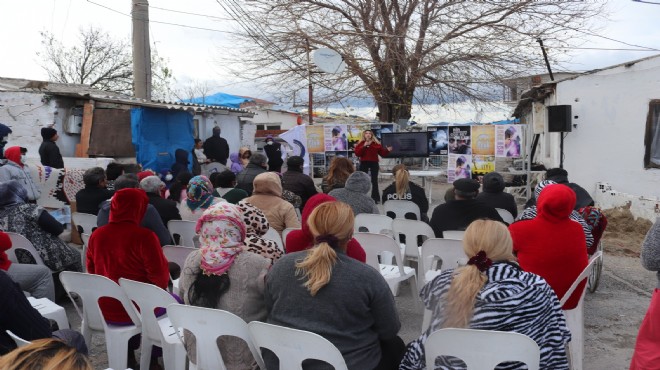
x: 511, y: 300
x: 530, y: 213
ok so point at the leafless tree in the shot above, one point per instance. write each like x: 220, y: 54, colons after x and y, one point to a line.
x: 398, y: 51
x: 191, y: 89
x: 100, y: 61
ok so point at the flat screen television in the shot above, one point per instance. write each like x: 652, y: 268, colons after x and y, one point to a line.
x: 407, y: 144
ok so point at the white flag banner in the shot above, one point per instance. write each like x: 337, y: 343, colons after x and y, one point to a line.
x: 297, y: 138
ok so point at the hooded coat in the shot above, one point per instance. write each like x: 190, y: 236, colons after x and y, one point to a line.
x: 236, y: 163
x: 4, y: 132
x: 355, y: 193
x: 298, y: 240
x: 181, y: 162
x: 494, y: 195
x: 552, y: 245
x: 267, y: 197
x: 15, y: 170
x: 123, y: 248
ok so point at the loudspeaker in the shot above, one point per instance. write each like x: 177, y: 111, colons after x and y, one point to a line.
x: 559, y: 118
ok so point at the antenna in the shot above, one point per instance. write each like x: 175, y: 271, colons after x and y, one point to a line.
x: 329, y: 61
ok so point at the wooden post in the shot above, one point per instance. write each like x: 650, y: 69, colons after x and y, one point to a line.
x: 86, y: 131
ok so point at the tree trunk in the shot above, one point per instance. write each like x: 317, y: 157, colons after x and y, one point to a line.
x: 394, y: 107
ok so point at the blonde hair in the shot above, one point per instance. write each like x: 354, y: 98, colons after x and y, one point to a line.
x: 401, y: 180
x: 331, y: 218
x: 47, y: 354
x: 494, y: 239
x: 373, y: 137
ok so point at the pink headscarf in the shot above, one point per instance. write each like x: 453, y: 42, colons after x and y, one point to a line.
x: 221, y: 233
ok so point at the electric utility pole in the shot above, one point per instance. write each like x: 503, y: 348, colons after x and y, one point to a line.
x: 141, y: 50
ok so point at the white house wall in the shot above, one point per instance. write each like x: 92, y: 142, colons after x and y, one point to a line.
x: 285, y: 120
x: 608, y: 143
x: 230, y: 129
x: 27, y: 113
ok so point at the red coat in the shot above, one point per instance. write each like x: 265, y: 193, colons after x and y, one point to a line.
x: 5, y: 244
x: 552, y: 245
x: 370, y: 153
x: 123, y: 248
x: 299, y: 240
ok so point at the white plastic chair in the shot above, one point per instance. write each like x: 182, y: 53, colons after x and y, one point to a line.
x: 207, y: 324
x: 506, y: 215
x: 19, y: 242
x: 575, y: 316
x: 156, y: 331
x: 177, y: 254
x: 50, y: 310
x: 292, y: 346
x: 85, y: 222
x: 273, y: 235
x: 401, y: 207
x: 90, y: 288
x: 482, y: 349
x: 376, y: 244
x: 185, y: 230
x: 449, y: 251
x: 411, y: 229
x: 373, y: 223
x: 286, y: 232
x: 453, y: 234
x: 20, y: 342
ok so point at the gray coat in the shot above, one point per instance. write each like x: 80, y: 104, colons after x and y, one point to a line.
x: 12, y: 171
x: 355, y: 193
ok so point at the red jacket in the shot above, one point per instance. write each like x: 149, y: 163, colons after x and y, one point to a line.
x: 123, y: 248
x: 370, y: 153
x: 5, y: 244
x: 299, y: 240
x: 552, y: 245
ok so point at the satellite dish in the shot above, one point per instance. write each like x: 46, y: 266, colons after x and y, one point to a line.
x: 329, y: 61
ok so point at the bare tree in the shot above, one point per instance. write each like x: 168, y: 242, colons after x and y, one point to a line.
x: 191, y: 89
x: 100, y: 61
x: 398, y: 51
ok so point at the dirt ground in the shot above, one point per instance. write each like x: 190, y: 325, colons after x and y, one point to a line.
x: 612, y: 314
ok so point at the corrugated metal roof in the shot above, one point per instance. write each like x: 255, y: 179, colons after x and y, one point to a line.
x: 87, y: 92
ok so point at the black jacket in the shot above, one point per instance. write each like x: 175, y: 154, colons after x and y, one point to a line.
x: 166, y: 208
x: 458, y: 214
x: 245, y: 178
x: 299, y: 184
x: 89, y: 199
x: 415, y: 193
x: 216, y: 149
x: 50, y: 154
x: 499, y: 200
x: 181, y: 164
x: 274, y: 154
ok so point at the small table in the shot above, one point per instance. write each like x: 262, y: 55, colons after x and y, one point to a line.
x: 423, y: 174
x: 50, y: 310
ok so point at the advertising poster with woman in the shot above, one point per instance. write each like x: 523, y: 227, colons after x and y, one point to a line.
x: 315, y: 142
x: 459, y: 140
x: 354, y: 134
x: 335, y: 138
x: 483, y: 140
x: 509, y: 140
x: 438, y: 140
x: 459, y: 167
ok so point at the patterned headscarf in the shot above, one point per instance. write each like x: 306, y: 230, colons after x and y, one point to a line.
x: 200, y: 193
x: 12, y: 193
x: 221, y: 233
x: 256, y: 225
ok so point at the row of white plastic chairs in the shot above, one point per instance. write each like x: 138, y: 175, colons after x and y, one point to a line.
x: 291, y: 346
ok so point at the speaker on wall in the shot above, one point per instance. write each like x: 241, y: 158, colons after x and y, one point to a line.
x: 559, y: 118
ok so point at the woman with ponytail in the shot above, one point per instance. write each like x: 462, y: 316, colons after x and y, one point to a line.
x: 404, y: 189
x: 492, y: 293
x: 223, y: 274
x: 324, y: 291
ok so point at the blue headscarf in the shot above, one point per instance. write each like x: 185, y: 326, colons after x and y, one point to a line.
x: 200, y: 193
x: 12, y: 193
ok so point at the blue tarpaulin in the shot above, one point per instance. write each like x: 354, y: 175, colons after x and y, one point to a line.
x: 219, y: 99
x: 157, y: 133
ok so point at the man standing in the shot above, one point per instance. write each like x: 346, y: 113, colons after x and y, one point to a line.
x: 216, y: 148
x: 459, y: 213
x: 48, y: 151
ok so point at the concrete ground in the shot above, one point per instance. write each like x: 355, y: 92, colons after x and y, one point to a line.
x: 612, y: 314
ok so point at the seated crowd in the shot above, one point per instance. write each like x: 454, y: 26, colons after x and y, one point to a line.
x: 320, y: 281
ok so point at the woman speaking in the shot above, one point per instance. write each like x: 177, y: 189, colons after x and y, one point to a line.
x: 368, y: 150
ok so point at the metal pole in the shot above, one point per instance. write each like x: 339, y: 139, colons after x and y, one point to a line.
x: 309, y: 78
x: 545, y: 57
x: 141, y: 50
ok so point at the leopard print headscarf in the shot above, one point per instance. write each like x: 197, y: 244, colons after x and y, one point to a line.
x: 256, y: 226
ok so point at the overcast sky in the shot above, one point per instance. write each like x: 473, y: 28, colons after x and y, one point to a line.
x: 193, y: 54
